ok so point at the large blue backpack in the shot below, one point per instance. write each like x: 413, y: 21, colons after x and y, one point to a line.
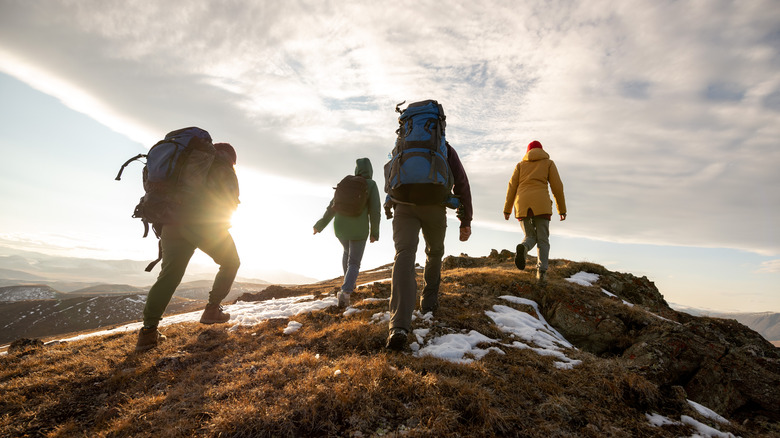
x: 174, y: 176
x: 418, y: 171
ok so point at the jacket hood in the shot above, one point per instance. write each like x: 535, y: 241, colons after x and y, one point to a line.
x: 363, y: 168
x: 536, y: 155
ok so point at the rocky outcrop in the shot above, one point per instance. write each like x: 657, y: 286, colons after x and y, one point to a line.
x: 720, y: 363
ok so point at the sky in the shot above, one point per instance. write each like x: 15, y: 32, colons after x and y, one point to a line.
x: 661, y: 116
x: 525, y: 331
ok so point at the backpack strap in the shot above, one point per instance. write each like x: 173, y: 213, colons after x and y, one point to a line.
x: 122, y: 169
x: 159, y: 257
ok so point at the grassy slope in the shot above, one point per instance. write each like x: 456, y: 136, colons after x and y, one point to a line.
x: 330, y: 378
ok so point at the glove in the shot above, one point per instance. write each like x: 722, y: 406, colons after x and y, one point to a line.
x: 460, y: 212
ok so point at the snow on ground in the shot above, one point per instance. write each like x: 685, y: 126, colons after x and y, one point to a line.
x: 702, y: 430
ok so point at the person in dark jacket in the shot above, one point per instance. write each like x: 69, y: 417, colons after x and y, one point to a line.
x: 352, y: 231
x: 411, y: 215
x: 206, y: 228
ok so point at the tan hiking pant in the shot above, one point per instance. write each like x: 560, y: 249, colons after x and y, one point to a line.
x: 408, y: 220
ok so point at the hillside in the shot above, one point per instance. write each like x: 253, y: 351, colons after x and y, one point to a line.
x: 593, y: 353
x: 42, y: 312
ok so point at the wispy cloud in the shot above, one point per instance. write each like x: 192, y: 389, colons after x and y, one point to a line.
x: 661, y: 116
x: 769, y: 267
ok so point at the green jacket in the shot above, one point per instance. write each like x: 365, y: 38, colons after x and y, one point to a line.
x: 361, y: 226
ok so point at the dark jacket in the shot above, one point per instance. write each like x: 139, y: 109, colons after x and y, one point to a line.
x: 361, y: 226
x: 461, y: 188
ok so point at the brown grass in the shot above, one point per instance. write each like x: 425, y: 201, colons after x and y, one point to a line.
x: 330, y: 378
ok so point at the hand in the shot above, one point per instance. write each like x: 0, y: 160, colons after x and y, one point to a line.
x: 316, y: 231
x: 563, y: 217
x: 465, y: 233
x: 373, y: 239
x: 506, y: 216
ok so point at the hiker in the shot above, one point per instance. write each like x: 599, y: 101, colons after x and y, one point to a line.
x: 357, y: 219
x: 527, y: 193
x: 423, y: 177
x: 203, y: 225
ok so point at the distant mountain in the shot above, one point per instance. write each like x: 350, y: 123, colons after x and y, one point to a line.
x: 51, y: 317
x: 41, y: 311
x: 71, y: 273
x: 767, y: 324
x: 12, y: 294
x: 105, y: 289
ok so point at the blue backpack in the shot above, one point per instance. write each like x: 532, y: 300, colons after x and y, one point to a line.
x: 174, y: 176
x: 418, y: 171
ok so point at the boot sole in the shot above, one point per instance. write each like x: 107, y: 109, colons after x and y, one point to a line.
x: 520, y: 257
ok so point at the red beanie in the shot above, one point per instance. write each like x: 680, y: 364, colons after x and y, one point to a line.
x: 533, y: 145
x: 228, y: 149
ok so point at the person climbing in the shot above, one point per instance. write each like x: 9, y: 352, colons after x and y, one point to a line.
x: 527, y: 193
x: 204, y: 225
x: 356, y: 208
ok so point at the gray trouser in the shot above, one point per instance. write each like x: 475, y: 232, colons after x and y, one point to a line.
x: 408, y: 220
x: 537, y: 233
x: 178, y: 245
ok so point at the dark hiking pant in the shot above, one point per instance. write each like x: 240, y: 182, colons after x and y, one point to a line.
x: 179, y: 243
x: 408, y: 220
x: 537, y: 233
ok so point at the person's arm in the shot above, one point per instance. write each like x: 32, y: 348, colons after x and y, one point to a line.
x: 556, y: 186
x: 374, y: 212
x: 461, y: 188
x: 326, y: 218
x: 511, y: 192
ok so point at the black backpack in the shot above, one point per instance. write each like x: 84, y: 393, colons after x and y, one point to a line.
x: 174, y: 176
x: 351, y: 195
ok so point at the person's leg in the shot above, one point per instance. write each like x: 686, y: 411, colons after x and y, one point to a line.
x: 403, y: 292
x: 217, y: 243
x: 344, y: 255
x: 529, y: 232
x: 176, y: 254
x: 542, y: 227
x: 355, y: 256
x: 434, y: 229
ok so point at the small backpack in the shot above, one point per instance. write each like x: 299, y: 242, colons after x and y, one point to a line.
x: 175, y: 173
x: 419, y: 157
x: 351, y: 195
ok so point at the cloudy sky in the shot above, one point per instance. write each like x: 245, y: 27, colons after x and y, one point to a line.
x: 663, y: 118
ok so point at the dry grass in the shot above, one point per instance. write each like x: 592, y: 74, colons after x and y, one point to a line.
x: 330, y: 378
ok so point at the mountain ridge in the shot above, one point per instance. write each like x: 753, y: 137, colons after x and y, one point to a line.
x: 640, y: 368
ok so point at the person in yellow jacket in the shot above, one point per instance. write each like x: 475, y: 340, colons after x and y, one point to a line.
x: 527, y: 193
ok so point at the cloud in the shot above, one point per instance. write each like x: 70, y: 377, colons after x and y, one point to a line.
x: 661, y: 116
x: 769, y: 267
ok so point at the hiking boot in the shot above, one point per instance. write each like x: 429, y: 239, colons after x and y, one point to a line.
x: 541, y: 276
x: 397, y: 339
x: 520, y: 253
x: 148, y: 337
x: 213, y: 314
x: 343, y: 299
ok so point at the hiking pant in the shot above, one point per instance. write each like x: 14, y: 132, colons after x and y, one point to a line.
x: 178, y: 245
x: 350, y: 261
x: 537, y: 233
x: 408, y: 220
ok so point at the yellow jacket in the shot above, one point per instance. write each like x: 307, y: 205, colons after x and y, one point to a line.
x: 528, y: 186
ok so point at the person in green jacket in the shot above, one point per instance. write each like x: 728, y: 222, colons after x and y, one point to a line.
x: 352, y: 231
